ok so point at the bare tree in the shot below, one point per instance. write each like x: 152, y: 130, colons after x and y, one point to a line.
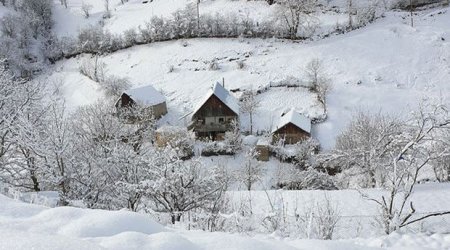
x: 93, y: 68
x: 318, y: 80
x: 107, y: 10
x: 251, y: 172
x: 441, y: 165
x: 86, y: 8
x: 249, y: 105
x: 295, y: 13
x: 350, y: 14
x: 64, y: 3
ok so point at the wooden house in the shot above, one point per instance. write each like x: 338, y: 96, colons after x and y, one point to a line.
x: 214, y: 114
x: 292, y: 127
x: 145, y: 97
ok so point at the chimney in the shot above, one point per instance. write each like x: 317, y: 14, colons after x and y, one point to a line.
x: 223, y: 82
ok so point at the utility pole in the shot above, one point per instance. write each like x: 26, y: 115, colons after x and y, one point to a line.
x: 198, y: 15
x: 350, y: 10
x: 411, y: 12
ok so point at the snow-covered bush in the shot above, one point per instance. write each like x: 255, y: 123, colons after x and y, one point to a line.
x: 179, y: 139
x: 319, y: 219
x: 96, y: 40
x: 240, y: 64
x: 93, y: 68
x: 115, y: 86
x: 130, y: 37
x: 309, y: 179
x: 217, y: 148
x: 213, y: 65
x: 299, y: 153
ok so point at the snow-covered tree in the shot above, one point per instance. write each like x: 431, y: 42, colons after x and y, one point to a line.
x: 233, y: 137
x: 177, y: 186
x: 441, y: 164
x: 17, y: 101
x: 318, y: 80
x: 249, y: 105
x: 407, y: 161
x: 364, y: 146
x: 296, y: 14
x: 86, y: 8
x: 109, y: 157
x: 251, y: 171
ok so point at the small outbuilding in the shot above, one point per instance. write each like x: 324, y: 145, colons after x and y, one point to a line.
x: 263, y: 149
x: 215, y: 113
x: 292, y: 127
x: 146, y: 97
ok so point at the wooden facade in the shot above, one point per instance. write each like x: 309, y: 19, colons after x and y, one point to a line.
x: 213, y: 119
x: 290, y: 133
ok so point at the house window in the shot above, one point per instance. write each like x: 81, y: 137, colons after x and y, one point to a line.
x: 221, y: 120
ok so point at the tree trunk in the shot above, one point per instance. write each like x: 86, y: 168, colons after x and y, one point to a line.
x: 176, y: 217
x: 251, y: 123
x: 35, y: 181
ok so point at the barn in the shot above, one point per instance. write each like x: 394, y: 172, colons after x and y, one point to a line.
x: 147, y: 97
x: 292, y: 127
x: 213, y: 116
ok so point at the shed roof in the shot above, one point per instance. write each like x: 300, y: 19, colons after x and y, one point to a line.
x: 146, y: 95
x: 220, y: 92
x: 296, y: 119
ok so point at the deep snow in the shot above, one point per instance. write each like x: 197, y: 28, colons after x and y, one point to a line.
x: 29, y: 226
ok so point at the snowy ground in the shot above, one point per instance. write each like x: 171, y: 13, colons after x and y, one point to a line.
x: 387, y: 66
x: 29, y: 226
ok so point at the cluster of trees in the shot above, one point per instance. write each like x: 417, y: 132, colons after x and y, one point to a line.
x: 368, y: 149
x: 26, y: 35
x: 294, y: 19
x: 93, y: 155
x: 30, y: 28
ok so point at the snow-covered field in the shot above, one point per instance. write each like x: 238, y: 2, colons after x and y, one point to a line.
x: 386, y: 66
x: 30, y: 226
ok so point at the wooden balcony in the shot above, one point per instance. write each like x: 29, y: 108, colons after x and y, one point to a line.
x: 212, y: 127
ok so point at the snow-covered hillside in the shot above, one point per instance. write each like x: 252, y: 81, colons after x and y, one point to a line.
x: 26, y: 226
x: 386, y: 66
x: 134, y: 13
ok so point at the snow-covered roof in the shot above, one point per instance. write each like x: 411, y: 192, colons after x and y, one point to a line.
x: 296, y: 119
x: 220, y: 92
x: 146, y: 95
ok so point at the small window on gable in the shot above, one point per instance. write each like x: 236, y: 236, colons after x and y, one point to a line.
x: 221, y: 120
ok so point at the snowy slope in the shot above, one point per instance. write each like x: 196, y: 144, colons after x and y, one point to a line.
x: 386, y: 66
x: 26, y: 226
x: 134, y: 13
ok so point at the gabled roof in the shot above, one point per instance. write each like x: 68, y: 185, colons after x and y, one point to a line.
x: 296, y: 119
x: 220, y: 92
x: 146, y: 95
